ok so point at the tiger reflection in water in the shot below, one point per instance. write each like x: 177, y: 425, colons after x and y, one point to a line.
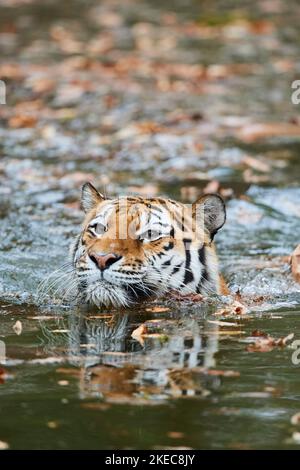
x: 117, y: 368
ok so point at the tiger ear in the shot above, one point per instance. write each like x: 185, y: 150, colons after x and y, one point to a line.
x: 90, y: 197
x: 210, y: 210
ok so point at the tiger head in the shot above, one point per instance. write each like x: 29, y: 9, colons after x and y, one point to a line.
x: 131, y: 248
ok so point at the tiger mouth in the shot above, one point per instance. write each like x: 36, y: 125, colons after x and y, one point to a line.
x: 109, y: 293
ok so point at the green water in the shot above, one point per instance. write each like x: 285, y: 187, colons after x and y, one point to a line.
x: 76, y: 378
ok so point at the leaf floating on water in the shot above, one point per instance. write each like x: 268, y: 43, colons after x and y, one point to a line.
x: 52, y: 424
x: 175, y: 435
x: 266, y: 343
x: 256, y: 164
x: 228, y: 332
x: 258, y: 333
x: 223, y: 323
x: 68, y: 371
x: 20, y: 120
x: 296, y: 437
x: 295, y: 264
x: 223, y: 373
x: 253, y: 132
x: 250, y: 395
x: 295, y: 419
x: 63, y: 383
x: 96, y: 406
x: 60, y: 331
x: 236, y: 308
x: 142, y: 332
x: 4, y: 445
x: 157, y: 309
x: 18, y: 327
x: 102, y: 317
x: 138, y: 333
x: 4, y: 375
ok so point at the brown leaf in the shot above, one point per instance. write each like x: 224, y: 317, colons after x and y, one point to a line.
x: 175, y: 434
x: 52, y: 424
x: 252, y: 132
x: 18, y: 327
x: 223, y: 373
x: 236, y: 308
x: 295, y: 263
x: 268, y: 343
x: 138, y: 333
x: 256, y: 164
x: 295, y: 419
x: 96, y: 406
x: 157, y: 309
x: 4, y: 375
x: 258, y: 333
x: 22, y: 121
x: 68, y: 371
x: 4, y: 445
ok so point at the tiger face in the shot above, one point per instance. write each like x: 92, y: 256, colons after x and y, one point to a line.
x: 131, y: 248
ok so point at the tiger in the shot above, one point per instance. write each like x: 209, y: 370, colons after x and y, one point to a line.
x: 132, y: 248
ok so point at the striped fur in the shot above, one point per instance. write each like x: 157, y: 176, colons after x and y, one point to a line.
x: 159, y: 245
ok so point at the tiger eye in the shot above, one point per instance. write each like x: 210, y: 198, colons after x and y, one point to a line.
x: 98, y: 229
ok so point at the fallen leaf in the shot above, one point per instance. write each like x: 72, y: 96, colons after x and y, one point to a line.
x: 227, y: 332
x: 157, y: 309
x: 96, y: 406
x: 175, y: 434
x: 267, y: 343
x: 223, y: 373
x: 253, y: 132
x: 138, y: 333
x: 103, y: 317
x: 295, y: 419
x: 60, y: 331
x: 72, y: 372
x: 4, y: 445
x: 52, y: 424
x: 4, y: 375
x: 223, y: 323
x: 256, y: 164
x: 296, y: 437
x: 295, y: 264
x: 258, y: 333
x: 18, y: 327
x: 63, y: 383
x: 236, y: 308
x: 22, y: 121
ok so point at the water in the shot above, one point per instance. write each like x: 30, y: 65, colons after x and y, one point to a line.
x: 138, y: 116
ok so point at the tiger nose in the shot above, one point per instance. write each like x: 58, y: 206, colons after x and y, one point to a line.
x: 104, y: 261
